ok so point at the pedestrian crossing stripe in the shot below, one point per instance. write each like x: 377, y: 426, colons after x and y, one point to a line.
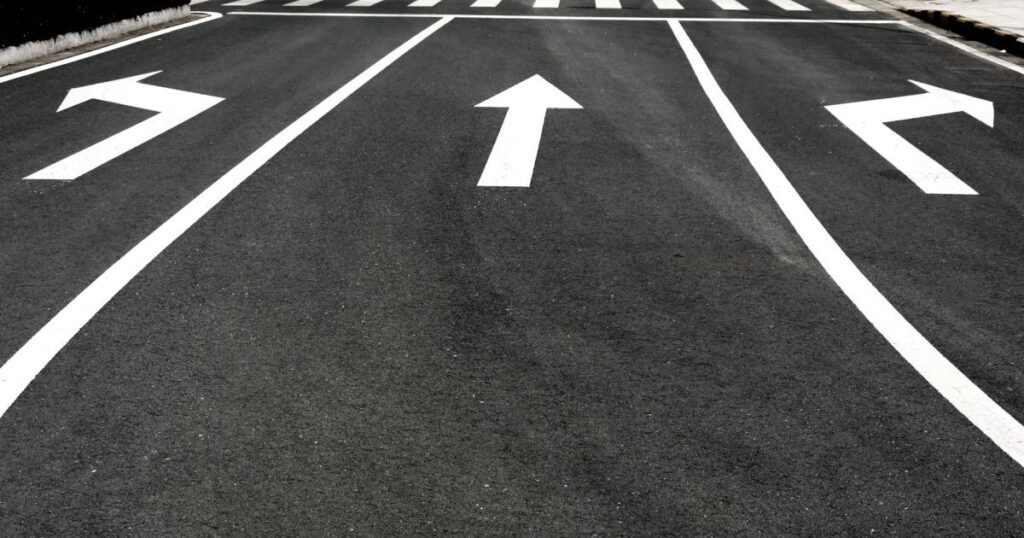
x: 728, y: 5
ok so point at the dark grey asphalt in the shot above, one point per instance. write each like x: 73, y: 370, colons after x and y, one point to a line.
x: 361, y: 341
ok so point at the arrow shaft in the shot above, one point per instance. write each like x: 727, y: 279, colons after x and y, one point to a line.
x: 515, y: 151
x: 867, y: 120
x: 156, y: 98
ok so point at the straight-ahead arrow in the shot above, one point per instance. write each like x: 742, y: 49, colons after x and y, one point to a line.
x: 868, y: 118
x: 174, y: 107
x: 515, y: 151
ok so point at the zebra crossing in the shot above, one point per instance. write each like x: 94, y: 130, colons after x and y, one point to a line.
x: 727, y: 5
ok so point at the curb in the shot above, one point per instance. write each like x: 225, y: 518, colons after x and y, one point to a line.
x: 972, y: 29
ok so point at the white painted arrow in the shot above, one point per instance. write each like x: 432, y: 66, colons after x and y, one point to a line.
x: 515, y: 151
x: 174, y: 107
x: 868, y: 118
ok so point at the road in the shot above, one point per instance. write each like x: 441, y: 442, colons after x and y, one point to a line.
x: 738, y: 272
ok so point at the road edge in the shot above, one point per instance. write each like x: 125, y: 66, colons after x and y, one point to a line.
x: 993, y: 36
x: 207, y: 16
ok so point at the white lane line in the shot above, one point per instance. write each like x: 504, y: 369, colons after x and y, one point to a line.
x: 607, y: 4
x: 485, y: 3
x: 545, y: 4
x: 965, y: 396
x: 425, y: 3
x: 849, y: 6
x: 855, y: 22
x: 243, y: 2
x: 194, y: 2
x: 789, y: 5
x: 364, y: 3
x: 302, y: 3
x: 71, y: 59
x: 27, y: 362
x: 731, y: 5
x: 668, y: 4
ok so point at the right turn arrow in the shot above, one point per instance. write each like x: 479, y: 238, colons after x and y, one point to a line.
x: 868, y: 118
x: 515, y: 151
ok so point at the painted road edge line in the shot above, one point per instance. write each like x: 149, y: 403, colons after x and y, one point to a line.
x: 210, y: 16
x: 952, y: 384
x: 966, y: 48
x: 558, y: 17
x: 27, y: 362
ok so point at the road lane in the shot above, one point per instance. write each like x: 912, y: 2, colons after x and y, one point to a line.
x: 949, y: 263
x: 59, y: 236
x: 360, y: 338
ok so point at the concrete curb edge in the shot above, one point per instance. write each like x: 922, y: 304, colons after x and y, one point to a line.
x: 972, y: 29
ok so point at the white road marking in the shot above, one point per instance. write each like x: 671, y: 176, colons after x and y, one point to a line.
x: 545, y: 4
x: 425, y: 3
x: 195, y: 2
x: 485, y: 3
x: 71, y: 59
x: 668, y: 4
x: 731, y: 5
x: 174, y: 106
x: 303, y: 3
x: 364, y: 3
x: 966, y: 48
x: 27, y: 362
x: 965, y: 396
x: 515, y: 150
x: 867, y: 119
x: 849, y: 6
x: 789, y: 5
x: 243, y: 2
x: 855, y: 22
x: 607, y: 4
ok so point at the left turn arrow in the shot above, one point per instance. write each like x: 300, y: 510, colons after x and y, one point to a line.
x: 174, y: 107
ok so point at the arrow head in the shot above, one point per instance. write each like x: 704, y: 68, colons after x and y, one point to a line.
x: 979, y: 109
x: 77, y: 96
x: 532, y: 92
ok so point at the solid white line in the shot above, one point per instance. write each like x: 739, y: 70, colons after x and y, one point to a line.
x: 849, y: 6
x: 364, y: 3
x: 731, y: 5
x: 425, y: 3
x: 486, y: 3
x: 194, y: 2
x: 243, y: 2
x: 71, y: 59
x: 27, y: 362
x: 966, y: 48
x: 560, y: 17
x: 668, y: 4
x: 302, y: 3
x: 607, y: 4
x: 789, y: 5
x: 970, y: 400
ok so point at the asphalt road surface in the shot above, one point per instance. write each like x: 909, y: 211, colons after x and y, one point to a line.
x: 749, y: 272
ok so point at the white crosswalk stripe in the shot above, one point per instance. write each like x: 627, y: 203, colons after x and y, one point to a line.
x: 668, y: 4
x: 849, y: 6
x: 789, y: 5
x: 729, y: 5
